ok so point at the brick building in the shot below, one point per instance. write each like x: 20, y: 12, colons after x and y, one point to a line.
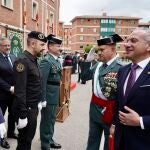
x: 87, y: 29
x: 18, y: 17
x: 144, y: 25
x: 67, y: 37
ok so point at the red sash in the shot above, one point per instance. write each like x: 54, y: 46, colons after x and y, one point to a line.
x: 109, y: 104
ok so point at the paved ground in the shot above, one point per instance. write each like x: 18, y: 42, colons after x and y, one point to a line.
x: 73, y: 133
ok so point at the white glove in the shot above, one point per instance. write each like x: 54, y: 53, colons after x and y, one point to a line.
x: 40, y: 106
x: 22, y: 123
x: 2, y: 130
x: 12, y: 89
x: 44, y: 104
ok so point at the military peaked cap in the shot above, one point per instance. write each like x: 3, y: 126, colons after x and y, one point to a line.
x: 52, y: 39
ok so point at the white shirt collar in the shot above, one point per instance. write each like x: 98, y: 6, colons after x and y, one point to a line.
x: 110, y: 61
x: 4, y: 54
x: 144, y: 62
x: 54, y: 56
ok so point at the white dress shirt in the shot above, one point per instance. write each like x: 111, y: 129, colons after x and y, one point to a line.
x: 142, y: 64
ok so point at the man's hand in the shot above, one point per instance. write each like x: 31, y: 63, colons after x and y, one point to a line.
x: 22, y: 123
x: 131, y: 118
x: 112, y: 130
x: 12, y: 89
x: 2, y: 130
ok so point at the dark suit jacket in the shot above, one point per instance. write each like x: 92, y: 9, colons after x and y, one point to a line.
x: 6, y: 77
x: 134, y: 138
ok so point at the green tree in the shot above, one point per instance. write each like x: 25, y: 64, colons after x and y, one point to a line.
x: 87, y: 48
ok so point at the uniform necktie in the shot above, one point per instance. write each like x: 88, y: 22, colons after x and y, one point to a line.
x: 8, y: 61
x: 104, y: 65
x: 131, y: 79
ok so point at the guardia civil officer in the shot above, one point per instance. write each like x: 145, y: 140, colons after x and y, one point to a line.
x: 104, y: 93
x: 28, y: 89
x: 51, y: 72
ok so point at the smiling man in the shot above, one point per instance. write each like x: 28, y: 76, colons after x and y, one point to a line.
x: 132, y: 131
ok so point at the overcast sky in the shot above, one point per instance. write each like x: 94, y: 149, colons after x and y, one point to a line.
x: 136, y: 8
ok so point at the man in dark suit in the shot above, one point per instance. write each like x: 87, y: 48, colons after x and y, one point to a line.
x: 51, y: 76
x: 7, y: 84
x: 104, y: 94
x: 132, y: 119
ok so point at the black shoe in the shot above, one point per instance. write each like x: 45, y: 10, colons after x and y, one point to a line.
x: 4, y: 143
x: 12, y: 136
x: 55, y: 145
x: 45, y: 148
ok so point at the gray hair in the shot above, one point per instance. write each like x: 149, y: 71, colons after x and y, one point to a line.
x: 146, y: 32
x: 3, y: 39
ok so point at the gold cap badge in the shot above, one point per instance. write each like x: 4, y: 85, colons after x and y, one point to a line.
x: 20, y: 67
x: 41, y: 36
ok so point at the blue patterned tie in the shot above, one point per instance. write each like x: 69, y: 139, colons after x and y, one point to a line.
x: 131, y: 79
x: 8, y: 61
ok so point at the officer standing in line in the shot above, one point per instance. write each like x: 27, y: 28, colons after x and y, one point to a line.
x: 51, y: 72
x: 28, y: 89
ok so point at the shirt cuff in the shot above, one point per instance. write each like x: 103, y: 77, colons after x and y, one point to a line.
x: 141, y: 123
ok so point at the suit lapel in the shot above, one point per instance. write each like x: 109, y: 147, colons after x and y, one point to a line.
x: 143, y: 76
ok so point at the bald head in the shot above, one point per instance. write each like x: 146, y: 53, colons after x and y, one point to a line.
x: 138, y: 45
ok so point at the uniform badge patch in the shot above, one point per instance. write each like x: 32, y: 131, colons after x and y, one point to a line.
x: 20, y: 67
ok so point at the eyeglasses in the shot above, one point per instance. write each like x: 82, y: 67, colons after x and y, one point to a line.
x: 5, y: 45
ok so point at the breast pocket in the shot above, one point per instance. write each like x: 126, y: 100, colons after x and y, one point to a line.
x: 144, y: 90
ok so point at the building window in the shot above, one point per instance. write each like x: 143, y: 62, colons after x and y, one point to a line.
x: 34, y: 10
x: 94, y: 39
x: 94, y: 30
x: 104, y: 20
x: 95, y: 21
x: 81, y: 38
x: 7, y: 3
x: 81, y: 21
x: 81, y: 46
x: 119, y: 22
x: 104, y: 29
x: 119, y: 31
x: 81, y: 29
x: 51, y: 20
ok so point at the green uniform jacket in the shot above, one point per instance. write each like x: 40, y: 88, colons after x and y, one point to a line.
x: 51, y: 76
x: 95, y: 111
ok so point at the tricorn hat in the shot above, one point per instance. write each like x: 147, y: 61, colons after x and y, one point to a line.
x: 112, y: 39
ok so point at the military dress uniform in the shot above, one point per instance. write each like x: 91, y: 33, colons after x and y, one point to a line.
x: 27, y: 94
x: 96, y: 123
x: 51, y: 77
